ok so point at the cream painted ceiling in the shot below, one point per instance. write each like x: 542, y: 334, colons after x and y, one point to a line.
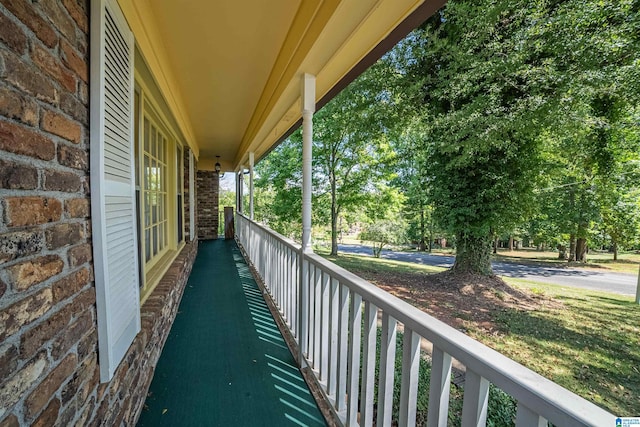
x: 231, y: 70
x: 222, y: 53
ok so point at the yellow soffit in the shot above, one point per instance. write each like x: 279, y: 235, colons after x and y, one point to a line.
x: 149, y: 42
x: 354, y: 29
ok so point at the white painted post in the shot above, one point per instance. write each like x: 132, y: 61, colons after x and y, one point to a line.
x: 251, y: 160
x: 317, y: 320
x: 333, y: 339
x: 353, y: 374
x: 409, y: 382
x: 525, y: 417
x: 368, y: 364
x: 439, y: 388
x: 308, y: 96
x: 240, y: 192
x: 475, y: 401
x: 343, y: 333
x: 308, y: 108
x: 237, y: 192
x: 303, y: 308
x: 387, y: 365
x: 311, y: 304
x: 325, y: 327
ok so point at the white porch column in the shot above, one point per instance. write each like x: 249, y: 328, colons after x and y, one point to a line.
x: 251, y: 161
x: 241, y: 190
x: 308, y: 108
x: 237, y: 192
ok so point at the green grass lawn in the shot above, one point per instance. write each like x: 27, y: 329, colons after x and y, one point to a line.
x: 626, y: 262
x: 590, y: 343
x: 586, y: 341
x: 356, y: 263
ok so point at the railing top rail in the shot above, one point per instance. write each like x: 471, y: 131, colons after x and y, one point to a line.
x: 557, y: 404
x: 287, y: 241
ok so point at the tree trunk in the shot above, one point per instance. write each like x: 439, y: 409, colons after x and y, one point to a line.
x: 431, y: 234
x: 572, y: 248
x: 496, y: 242
x: 334, y: 217
x: 377, y: 249
x: 510, y: 244
x: 473, y: 254
x: 581, y: 250
x: 562, y: 252
x: 422, y: 233
x: 615, y: 251
x: 581, y: 243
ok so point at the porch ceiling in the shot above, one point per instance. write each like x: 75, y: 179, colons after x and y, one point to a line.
x: 230, y: 70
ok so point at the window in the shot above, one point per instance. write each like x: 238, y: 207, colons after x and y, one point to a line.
x: 180, y: 192
x: 154, y: 191
x: 159, y: 183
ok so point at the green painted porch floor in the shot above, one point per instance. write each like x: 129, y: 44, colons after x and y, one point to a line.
x: 225, y: 362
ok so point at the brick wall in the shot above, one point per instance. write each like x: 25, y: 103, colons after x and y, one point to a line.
x: 48, y: 328
x: 207, y: 183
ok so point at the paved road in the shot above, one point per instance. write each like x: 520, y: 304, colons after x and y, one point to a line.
x: 620, y: 283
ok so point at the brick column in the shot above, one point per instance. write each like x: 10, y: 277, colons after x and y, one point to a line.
x: 207, y: 183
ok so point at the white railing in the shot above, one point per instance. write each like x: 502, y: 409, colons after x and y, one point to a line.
x: 334, y: 314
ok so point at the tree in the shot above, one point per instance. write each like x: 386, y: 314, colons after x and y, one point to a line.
x: 351, y: 149
x: 481, y: 150
x: 279, y: 180
x: 501, y: 86
x: 383, y: 232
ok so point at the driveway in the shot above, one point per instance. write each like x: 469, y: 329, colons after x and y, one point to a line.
x: 620, y: 283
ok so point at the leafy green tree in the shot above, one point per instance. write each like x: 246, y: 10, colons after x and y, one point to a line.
x: 351, y: 150
x: 278, y: 180
x: 383, y: 232
x: 481, y: 151
x: 505, y: 88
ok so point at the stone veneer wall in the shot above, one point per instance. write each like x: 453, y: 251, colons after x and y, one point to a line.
x: 207, y: 183
x: 48, y: 328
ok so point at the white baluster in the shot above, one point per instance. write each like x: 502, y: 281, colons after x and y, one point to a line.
x: 353, y: 374
x: 476, y: 397
x: 343, y: 334
x: 525, y: 417
x: 368, y: 363
x: 410, y: 370
x: 324, y: 327
x: 387, y: 370
x: 439, y: 388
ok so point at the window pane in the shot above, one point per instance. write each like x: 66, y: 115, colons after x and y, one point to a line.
x: 147, y: 210
x: 147, y: 244
x: 153, y: 186
x: 154, y: 208
x: 161, y: 237
x: 147, y: 173
x: 153, y: 141
x: 160, y: 176
x: 146, y: 135
x: 155, y: 240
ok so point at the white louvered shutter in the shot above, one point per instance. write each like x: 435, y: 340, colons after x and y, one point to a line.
x: 113, y: 184
x: 192, y: 195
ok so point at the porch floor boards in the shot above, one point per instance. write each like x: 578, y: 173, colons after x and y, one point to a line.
x: 225, y: 362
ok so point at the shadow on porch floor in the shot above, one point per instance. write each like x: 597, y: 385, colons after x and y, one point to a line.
x: 225, y: 362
